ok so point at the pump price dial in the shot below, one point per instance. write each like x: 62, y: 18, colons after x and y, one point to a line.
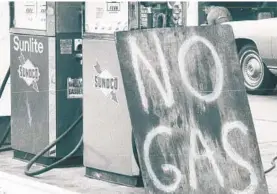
x: 29, y: 10
x: 42, y: 12
x: 43, y: 9
x: 30, y: 14
x: 113, y: 6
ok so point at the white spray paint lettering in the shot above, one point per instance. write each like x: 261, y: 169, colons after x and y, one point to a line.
x: 166, y: 167
x: 135, y: 53
x: 226, y: 129
x: 169, y: 101
x: 193, y: 156
x: 219, y: 69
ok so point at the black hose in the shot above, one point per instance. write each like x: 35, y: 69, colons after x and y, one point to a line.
x: 48, y: 168
x: 273, y: 165
x: 2, y: 141
x: 4, y: 83
x: 134, y: 147
x: 140, y: 181
x: 8, y: 130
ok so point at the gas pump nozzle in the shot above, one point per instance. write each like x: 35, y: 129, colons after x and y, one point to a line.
x: 79, y: 50
x: 156, y: 14
x: 149, y: 17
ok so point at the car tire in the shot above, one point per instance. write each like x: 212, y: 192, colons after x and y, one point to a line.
x: 257, y: 78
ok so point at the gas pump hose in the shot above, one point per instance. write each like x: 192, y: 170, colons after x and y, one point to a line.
x: 48, y: 168
x: 273, y: 165
x: 8, y: 130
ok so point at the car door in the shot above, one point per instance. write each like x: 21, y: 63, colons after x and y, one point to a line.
x: 273, y: 33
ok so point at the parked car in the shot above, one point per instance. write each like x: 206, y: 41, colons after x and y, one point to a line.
x: 256, y: 42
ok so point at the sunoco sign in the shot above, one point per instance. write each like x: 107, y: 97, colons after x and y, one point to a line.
x: 27, y: 70
x: 105, y: 82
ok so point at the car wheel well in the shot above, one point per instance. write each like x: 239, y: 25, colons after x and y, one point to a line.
x: 242, y: 42
x: 267, y: 83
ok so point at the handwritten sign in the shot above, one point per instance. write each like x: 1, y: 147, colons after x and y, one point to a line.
x: 189, y: 110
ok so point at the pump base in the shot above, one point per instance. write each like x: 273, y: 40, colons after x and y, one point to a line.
x: 75, y: 161
x: 5, y: 148
x: 133, y: 181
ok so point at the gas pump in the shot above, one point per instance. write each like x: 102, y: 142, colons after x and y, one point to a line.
x: 109, y: 149
x: 5, y: 97
x: 46, y: 83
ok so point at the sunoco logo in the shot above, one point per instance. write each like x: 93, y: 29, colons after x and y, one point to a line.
x: 28, y: 72
x: 107, y: 83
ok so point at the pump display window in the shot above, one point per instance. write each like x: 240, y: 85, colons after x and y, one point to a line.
x: 106, y: 17
x: 30, y: 15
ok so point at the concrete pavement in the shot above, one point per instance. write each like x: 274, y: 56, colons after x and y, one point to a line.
x: 264, y: 113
